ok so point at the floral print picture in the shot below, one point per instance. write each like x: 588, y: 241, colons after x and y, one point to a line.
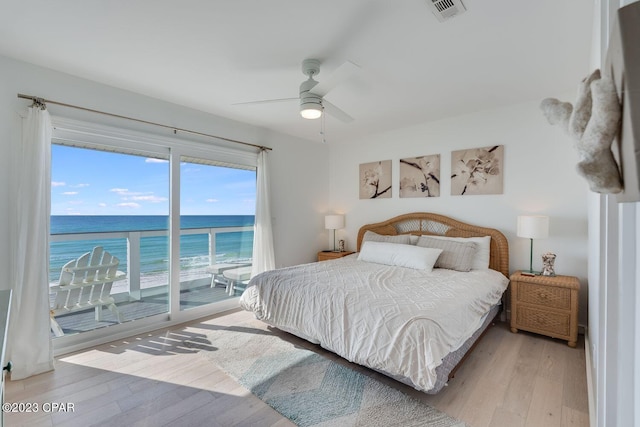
x: 477, y: 171
x: 420, y: 176
x: 375, y: 180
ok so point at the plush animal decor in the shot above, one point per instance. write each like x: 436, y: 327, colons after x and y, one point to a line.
x: 593, y: 122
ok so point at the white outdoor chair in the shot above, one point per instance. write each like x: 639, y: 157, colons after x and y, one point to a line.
x: 86, y: 283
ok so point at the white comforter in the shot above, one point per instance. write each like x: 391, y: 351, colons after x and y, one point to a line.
x: 396, y: 320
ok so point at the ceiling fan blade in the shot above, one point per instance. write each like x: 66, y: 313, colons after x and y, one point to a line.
x: 329, y: 108
x: 342, y: 73
x: 267, y: 101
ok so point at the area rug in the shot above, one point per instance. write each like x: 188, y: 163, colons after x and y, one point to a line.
x: 306, y: 387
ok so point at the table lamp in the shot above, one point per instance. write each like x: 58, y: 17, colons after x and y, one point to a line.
x: 532, y: 227
x: 334, y: 222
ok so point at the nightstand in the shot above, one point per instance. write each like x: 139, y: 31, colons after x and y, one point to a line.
x: 327, y: 255
x: 546, y: 305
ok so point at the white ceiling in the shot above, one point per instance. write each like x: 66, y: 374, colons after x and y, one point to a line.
x: 210, y: 54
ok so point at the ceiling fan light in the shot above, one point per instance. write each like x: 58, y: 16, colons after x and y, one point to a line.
x: 311, y: 110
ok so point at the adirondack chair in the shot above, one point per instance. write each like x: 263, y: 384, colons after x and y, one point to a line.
x: 86, y: 283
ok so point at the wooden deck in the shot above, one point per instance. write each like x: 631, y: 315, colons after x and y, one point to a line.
x: 194, y: 296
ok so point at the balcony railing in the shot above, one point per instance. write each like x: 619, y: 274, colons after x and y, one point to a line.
x: 133, y: 249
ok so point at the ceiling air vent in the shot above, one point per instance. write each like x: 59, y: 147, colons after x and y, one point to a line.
x: 445, y: 9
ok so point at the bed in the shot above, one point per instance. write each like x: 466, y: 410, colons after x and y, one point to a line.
x: 411, y: 303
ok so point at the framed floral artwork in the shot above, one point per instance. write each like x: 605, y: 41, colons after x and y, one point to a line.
x: 477, y: 171
x: 375, y: 180
x: 420, y: 176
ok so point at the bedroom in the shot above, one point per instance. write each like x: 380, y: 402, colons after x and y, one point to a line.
x: 539, y: 159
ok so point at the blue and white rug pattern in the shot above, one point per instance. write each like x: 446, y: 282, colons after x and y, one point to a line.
x: 309, y: 389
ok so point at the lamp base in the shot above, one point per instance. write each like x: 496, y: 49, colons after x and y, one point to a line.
x: 530, y: 273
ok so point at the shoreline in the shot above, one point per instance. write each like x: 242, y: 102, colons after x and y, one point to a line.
x: 152, y: 280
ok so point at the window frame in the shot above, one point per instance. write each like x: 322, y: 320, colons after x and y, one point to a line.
x: 83, y: 134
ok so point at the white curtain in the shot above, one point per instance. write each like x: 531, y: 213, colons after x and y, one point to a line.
x: 29, y: 345
x: 263, y: 256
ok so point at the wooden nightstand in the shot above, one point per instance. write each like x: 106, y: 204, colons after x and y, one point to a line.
x: 546, y: 305
x: 327, y: 255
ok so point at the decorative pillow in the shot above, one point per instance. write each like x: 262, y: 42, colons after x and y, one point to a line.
x: 370, y: 236
x: 400, y: 255
x: 483, y: 249
x: 455, y: 255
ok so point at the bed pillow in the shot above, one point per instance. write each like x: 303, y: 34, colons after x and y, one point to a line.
x: 455, y: 255
x: 370, y: 236
x: 400, y: 255
x: 483, y: 249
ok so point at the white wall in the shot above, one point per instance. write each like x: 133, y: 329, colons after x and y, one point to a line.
x: 299, y: 186
x: 539, y: 177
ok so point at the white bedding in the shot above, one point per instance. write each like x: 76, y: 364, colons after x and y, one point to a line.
x: 397, y: 320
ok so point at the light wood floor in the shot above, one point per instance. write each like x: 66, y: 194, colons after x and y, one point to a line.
x: 510, y: 380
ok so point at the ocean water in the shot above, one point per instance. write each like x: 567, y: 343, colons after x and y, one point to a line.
x: 154, y: 256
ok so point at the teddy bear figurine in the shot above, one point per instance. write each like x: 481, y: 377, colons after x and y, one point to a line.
x: 593, y: 122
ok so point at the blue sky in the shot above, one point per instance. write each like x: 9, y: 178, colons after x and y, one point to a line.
x: 91, y: 182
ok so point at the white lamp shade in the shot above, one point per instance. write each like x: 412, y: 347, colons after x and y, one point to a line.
x: 533, y: 226
x: 333, y: 222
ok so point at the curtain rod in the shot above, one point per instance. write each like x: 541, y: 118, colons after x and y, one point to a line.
x: 43, y: 102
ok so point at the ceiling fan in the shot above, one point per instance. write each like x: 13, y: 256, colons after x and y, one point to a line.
x: 312, y: 102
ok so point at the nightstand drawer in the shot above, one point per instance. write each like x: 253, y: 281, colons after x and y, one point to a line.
x: 544, y: 295
x: 543, y: 321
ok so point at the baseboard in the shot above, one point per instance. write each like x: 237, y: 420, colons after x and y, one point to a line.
x: 591, y: 393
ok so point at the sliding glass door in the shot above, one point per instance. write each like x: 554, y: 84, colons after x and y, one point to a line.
x: 117, y: 202
x: 217, y: 207
x: 178, y: 217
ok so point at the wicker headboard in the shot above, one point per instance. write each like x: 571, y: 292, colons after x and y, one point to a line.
x: 424, y: 223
